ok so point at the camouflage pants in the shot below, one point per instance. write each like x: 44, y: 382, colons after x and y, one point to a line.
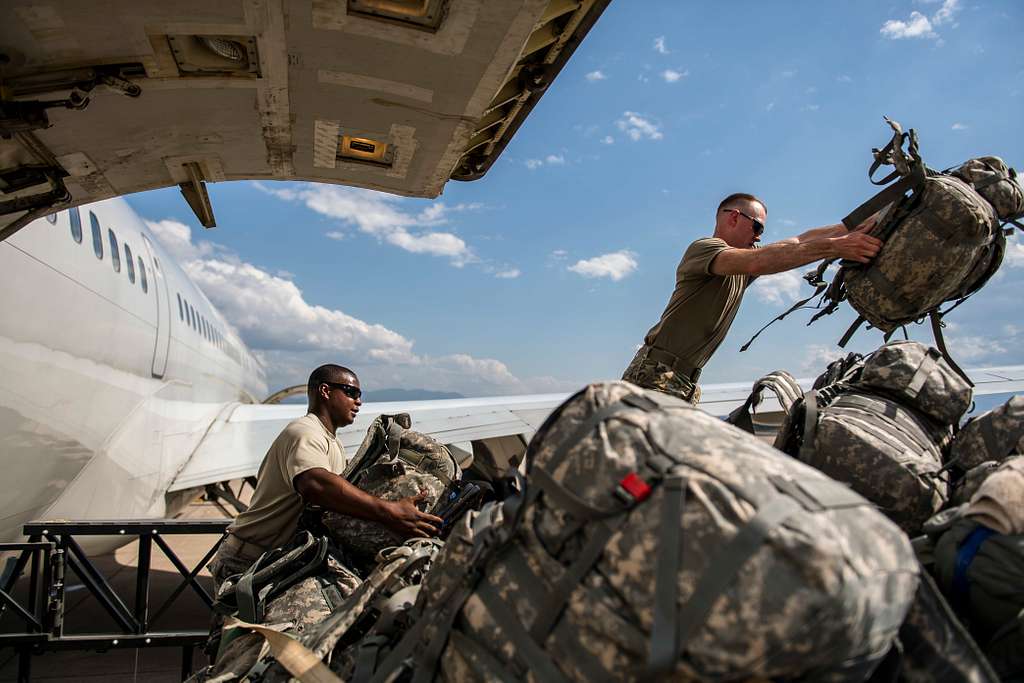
x: 225, y: 563
x: 652, y: 374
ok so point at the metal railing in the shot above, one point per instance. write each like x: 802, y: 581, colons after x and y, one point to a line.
x: 51, y: 551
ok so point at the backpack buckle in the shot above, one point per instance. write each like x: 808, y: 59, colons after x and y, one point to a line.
x: 632, y: 489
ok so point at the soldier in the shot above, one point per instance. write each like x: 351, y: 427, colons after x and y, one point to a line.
x: 710, y: 282
x: 303, y: 466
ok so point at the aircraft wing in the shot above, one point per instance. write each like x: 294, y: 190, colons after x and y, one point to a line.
x: 235, y: 445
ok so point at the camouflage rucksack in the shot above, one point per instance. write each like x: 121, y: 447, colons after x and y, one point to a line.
x: 786, y: 389
x: 942, y: 240
x: 654, y: 539
x: 982, y: 572
x: 393, y: 462
x: 883, y: 428
x: 995, y: 435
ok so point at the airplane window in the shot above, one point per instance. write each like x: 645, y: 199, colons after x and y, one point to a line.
x: 142, y: 276
x: 76, y: 224
x: 97, y: 236
x: 181, y: 310
x: 115, y: 253
x: 128, y: 262
x: 52, y: 217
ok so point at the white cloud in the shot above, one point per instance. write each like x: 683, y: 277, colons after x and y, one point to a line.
x: 559, y: 254
x: 816, y: 357
x: 672, y: 76
x: 534, y: 164
x: 614, y: 266
x: 637, y: 127
x: 843, y: 78
x: 920, y: 26
x: 382, y: 216
x: 659, y: 45
x: 595, y: 76
x: 607, y: 140
x: 335, y: 235
x: 973, y: 348
x: 554, y: 159
x: 780, y: 288
x: 1014, y: 257
x: 509, y: 274
x: 958, y: 126
x: 292, y: 335
x: 789, y: 223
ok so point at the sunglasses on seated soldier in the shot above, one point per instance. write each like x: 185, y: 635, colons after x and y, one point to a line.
x: 347, y: 389
x: 758, y: 225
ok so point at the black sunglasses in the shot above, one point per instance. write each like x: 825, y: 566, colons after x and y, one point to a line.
x: 758, y: 225
x: 347, y: 389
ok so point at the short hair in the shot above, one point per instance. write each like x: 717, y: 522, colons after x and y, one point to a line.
x: 327, y: 374
x: 733, y: 200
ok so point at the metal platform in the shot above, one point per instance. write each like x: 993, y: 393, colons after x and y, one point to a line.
x: 34, y: 617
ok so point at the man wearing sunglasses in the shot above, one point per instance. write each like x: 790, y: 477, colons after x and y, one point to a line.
x: 303, y: 466
x: 710, y: 282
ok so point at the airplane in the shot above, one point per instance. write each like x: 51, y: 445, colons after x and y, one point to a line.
x: 124, y: 392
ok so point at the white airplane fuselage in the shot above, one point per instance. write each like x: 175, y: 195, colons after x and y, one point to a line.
x: 110, y: 374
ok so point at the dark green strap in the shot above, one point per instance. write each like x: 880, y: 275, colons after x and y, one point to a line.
x: 889, y: 195
x: 924, y: 370
x: 477, y: 654
x: 366, y: 658
x: 807, y: 451
x: 565, y: 499
x: 529, y: 654
x: 941, y: 343
x: 551, y: 608
x: 726, y: 563
x: 850, y: 331
x: 665, y: 647
x: 248, y: 607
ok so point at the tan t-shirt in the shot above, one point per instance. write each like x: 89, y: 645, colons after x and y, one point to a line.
x: 701, y: 308
x: 273, y: 514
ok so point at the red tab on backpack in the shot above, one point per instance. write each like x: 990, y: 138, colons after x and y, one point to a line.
x: 637, y: 488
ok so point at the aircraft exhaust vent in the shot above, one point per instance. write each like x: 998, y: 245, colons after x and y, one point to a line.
x: 218, y: 55
x: 425, y: 15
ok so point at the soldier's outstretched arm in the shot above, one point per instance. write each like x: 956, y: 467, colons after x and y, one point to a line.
x: 319, y: 486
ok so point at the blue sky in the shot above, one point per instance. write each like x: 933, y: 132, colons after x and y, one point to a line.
x: 546, y: 274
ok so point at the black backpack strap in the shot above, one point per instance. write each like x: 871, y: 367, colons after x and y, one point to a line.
x: 806, y: 453
x: 850, y: 331
x: 936, y: 320
x: 815, y: 279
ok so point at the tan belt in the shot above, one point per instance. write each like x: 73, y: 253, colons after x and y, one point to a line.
x: 673, y: 361
x: 247, y: 550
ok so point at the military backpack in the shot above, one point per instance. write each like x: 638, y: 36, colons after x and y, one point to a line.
x: 883, y: 429
x: 655, y: 540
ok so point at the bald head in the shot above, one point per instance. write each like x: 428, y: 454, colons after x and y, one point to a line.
x: 741, y: 201
x: 327, y: 374
x: 740, y: 220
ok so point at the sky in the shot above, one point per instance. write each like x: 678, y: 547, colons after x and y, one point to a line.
x: 546, y: 274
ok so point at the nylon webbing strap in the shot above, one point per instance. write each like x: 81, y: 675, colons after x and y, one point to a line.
x: 526, y: 649
x: 478, y: 654
x: 727, y: 562
x: 924, y: 370
x: 664, y: 645
x: 248, y: 608
x: 366, y: 658
x: 941, y: 343
x: 393, y: 438
x: 850, y: 331
x: 565, y: 499
x: 818, y: 290
x: 292, y: 655
x: 889, y: 195
x: 810, y: 426
x: 551, y: 609
x: 965, y: 555
x: 599, y: 416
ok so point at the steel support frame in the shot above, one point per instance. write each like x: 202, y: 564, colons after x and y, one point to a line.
x: 52, y: 549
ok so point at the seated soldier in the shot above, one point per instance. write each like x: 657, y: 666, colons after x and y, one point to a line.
x: 303, y: 466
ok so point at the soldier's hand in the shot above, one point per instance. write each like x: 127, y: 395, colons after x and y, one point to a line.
x: 407, y: 520
x: 857, y: 246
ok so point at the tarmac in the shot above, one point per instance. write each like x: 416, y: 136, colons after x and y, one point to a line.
x: 84, y: 614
